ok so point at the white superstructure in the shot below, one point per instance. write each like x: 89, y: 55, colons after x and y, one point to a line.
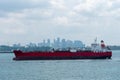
x: 99, y: 47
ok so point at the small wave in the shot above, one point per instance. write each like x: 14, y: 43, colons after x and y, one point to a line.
x: 116, y: 59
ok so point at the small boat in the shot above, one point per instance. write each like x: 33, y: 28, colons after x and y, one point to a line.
x: 96, y: 51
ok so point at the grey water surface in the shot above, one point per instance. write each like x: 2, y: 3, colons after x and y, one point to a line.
x: 107, y: 69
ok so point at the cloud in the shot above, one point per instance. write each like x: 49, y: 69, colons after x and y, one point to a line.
x: 75, y: 19
x: 58, y: 4
x: 14, y: 31
x: 11, y: 26
x: 97, y: 7
x: 16, y: 6
x: 61, y: 20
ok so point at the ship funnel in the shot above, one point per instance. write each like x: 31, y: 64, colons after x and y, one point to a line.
x: 102, y: 44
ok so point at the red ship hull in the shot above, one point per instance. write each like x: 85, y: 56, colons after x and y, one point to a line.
x: 61, y: 55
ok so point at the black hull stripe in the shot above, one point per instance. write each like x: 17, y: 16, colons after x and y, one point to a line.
x: 59, y: 58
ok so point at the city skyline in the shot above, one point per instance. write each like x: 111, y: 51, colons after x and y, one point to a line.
x: 56, y: 43
x: 25, y: 21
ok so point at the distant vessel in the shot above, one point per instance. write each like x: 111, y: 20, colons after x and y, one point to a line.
x: 96, y: 51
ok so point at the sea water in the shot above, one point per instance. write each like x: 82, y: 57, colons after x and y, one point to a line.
x: 108, y: 69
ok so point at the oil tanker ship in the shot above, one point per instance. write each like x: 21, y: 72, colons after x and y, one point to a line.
x: 96, y: 51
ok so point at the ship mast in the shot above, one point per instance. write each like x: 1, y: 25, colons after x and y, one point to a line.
x: 95, y: 45
x: 95, y: 40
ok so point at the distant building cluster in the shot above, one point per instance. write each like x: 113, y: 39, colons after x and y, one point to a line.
x: 59, y: 43
x: 47, y: 45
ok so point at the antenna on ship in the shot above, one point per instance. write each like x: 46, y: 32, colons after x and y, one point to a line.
x: 94, y: 45
x: 96, y: 40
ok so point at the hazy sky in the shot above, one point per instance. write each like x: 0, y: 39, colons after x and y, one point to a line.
x: 24, y: 21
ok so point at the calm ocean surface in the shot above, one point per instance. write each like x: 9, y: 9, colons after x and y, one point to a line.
x: 60, y: 69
